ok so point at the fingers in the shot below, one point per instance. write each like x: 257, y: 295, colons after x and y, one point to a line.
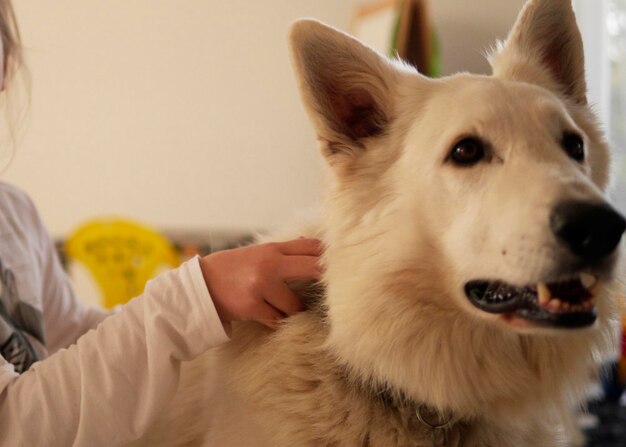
x: 282, y: 298
x: 296, y: 268
x: 268, y: 316
x: 301, y: 247
x: 300, y: 261
x: 279, y: 301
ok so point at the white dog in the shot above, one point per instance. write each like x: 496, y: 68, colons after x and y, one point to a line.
x: 470, y: 258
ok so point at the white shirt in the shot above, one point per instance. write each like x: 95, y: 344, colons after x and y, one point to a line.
x: 107, y: 378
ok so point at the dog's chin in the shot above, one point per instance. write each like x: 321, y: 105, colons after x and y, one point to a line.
x: 561, y: 305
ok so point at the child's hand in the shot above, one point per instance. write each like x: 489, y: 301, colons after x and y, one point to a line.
x: 249, y: 283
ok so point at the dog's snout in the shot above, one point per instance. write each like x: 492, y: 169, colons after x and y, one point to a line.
x: 589, y: 230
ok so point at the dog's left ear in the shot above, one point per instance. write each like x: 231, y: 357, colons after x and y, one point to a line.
x: 545, y: 48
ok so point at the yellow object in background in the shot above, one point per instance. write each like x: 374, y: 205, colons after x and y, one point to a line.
x: 121, y: 255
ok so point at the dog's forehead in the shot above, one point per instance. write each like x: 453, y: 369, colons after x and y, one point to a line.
x: 471, y: 101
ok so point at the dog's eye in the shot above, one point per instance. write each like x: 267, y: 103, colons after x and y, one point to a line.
x: 467, y: 152
x: 574, y: 146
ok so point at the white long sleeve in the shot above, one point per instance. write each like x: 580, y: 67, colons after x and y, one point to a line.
x: 109, y: 386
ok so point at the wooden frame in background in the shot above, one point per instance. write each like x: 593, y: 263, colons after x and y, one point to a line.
x: 409, y: 33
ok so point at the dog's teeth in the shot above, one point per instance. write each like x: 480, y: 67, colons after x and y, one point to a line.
x: 577, y: 308
x: 543, y: 293
x: 565, y: 306
x: 587, y: 280
x: 555, y: 303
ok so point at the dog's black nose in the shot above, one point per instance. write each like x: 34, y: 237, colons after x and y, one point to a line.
x: 590, y: 231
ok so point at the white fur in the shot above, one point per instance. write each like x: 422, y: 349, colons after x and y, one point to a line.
x: 403, y: 231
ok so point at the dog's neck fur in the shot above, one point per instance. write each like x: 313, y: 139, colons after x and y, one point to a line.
x: 391, y: 400
x: 395, y: 401
x: 327, y: 403
x: 328, y: 383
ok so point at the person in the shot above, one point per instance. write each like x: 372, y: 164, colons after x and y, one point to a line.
x: 71, y: 375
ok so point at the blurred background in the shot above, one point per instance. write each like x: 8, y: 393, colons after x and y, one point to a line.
x: 185, y: 114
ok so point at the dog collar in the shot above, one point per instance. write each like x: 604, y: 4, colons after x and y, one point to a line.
x: 445, y: 429
x: 438, y: 430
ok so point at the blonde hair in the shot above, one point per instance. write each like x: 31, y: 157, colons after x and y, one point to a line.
x: 16, y: 95
x: 10, y: 35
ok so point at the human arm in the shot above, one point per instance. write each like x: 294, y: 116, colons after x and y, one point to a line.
x: 106, y: 389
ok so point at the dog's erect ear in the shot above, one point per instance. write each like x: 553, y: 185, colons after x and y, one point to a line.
x: 345, y: 85
x: 545, y: 47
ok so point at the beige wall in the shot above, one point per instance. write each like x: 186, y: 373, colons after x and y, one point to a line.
x: 468, y: 28
x: 185, y: 113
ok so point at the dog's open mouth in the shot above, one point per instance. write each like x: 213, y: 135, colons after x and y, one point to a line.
x: 564, y: 304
